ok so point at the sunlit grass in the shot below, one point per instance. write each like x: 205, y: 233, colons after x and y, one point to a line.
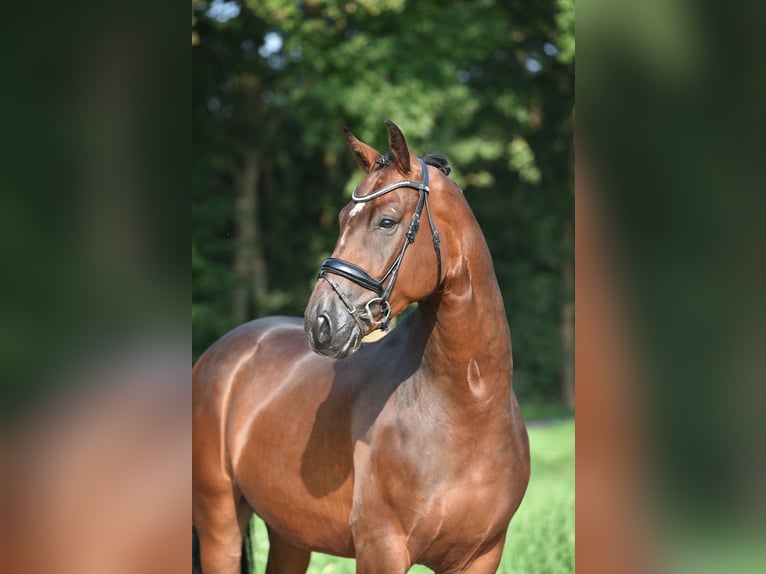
x: 541, y: 537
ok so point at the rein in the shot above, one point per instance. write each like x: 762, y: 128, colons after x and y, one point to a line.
x: 357, y: 275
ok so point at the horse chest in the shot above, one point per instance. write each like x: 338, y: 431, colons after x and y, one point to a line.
x: 447, y: 498
x: 447, y: 483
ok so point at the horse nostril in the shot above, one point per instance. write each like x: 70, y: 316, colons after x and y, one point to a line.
x: 324, y: 333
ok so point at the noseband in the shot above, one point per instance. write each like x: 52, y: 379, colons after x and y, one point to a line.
x: 357, y: 275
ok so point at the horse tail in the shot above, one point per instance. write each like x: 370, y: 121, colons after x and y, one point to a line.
x: 196, y: 560
x: 247, y: 549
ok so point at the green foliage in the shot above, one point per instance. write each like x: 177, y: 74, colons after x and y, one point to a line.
x: 489, y: 84
x: 541, y: 537
x: 565, y: 21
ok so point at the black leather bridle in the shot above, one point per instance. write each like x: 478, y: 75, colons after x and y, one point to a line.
x: 357, y: 275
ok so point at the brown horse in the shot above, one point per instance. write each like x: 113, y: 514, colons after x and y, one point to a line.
x: 408, y: 450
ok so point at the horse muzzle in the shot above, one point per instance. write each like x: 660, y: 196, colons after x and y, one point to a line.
x: 331, y: 331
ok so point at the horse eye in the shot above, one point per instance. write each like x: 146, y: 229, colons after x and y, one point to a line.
x: 387, y: 223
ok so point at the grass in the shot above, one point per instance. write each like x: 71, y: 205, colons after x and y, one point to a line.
x: 541, y: 537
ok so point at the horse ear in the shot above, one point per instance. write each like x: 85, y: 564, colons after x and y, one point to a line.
x: 365, y: 155
x: 399, y: 147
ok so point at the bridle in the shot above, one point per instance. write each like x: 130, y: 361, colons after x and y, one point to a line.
x: 357, y: 275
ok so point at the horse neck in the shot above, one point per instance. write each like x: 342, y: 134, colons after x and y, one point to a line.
x: 467, y: 350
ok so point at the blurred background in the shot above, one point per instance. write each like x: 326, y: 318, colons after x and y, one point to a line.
x: 671, y: 330
x: 489, y: 84
x: 95, y: 432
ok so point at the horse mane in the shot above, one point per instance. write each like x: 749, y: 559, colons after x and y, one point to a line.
x: 436, y: 160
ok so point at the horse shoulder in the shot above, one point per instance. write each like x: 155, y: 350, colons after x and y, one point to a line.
x: 217, y: 368
x: 223, y: 375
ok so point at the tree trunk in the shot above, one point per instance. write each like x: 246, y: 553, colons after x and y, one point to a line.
x: 251, y: 292
x: 567, y: 326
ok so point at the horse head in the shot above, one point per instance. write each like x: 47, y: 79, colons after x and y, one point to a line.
x: 380, y: 263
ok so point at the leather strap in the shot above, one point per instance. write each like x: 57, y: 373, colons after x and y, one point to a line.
x: 351, y: 272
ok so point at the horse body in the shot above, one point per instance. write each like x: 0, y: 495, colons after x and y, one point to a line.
x: 410, y: 450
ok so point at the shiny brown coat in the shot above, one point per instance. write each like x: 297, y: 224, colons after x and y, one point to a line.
x: 410, y: 450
